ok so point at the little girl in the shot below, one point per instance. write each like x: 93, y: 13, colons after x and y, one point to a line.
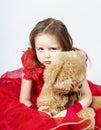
x: 48, y: 38
x: 18, y: 95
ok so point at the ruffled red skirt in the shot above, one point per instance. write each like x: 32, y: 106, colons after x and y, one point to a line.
x: 16, y: 116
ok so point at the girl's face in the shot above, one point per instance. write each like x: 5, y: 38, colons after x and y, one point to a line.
x: 46, y: 46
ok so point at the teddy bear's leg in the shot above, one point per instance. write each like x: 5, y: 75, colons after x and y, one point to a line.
x: 88, y: 113
x: 96, y: 102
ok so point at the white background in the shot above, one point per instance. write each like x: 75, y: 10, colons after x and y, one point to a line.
x: 18, y: 17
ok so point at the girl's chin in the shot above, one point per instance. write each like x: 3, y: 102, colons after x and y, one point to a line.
x: 46, y: 65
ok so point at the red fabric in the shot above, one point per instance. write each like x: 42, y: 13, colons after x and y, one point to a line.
x: 74, y: 109
x: 96, y: 91
x: 71, y: 123
x: 95, y: 88
x: 31, y: 69
x: 13, y: 74
x: 16, y: 116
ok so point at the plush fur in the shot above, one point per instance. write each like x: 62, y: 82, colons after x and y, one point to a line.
x: 88, y: 113
x: 64, y: 75
x: 96, y: 102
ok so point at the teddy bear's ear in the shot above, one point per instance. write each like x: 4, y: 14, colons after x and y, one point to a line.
x: 51, y: 72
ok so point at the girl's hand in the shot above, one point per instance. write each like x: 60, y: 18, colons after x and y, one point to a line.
x: 61, y: 114
x: 43, y: 108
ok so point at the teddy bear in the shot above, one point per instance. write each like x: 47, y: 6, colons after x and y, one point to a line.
x: 62, y: 77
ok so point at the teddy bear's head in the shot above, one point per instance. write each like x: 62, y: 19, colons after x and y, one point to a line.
x: 67, y: 72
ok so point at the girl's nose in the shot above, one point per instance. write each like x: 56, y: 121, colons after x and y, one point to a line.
x: 46, y: 54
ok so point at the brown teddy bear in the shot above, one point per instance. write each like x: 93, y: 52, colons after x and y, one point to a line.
x: 62, y: 77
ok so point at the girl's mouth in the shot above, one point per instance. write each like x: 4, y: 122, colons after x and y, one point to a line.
x: 47, y: 62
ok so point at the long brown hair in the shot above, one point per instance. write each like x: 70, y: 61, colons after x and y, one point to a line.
x: 53, y: 27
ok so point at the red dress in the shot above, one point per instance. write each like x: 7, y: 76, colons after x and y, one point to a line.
x: 17, y: 116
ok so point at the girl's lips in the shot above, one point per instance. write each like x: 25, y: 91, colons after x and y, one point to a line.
x: 47, y: 62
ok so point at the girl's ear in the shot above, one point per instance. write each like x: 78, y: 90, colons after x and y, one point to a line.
x: 51, y: 72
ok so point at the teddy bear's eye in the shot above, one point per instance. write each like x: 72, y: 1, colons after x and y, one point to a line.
x: 80, y: 86
x: 72, y: 85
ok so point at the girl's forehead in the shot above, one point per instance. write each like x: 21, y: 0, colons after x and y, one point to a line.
x: 46, y: 36
x: 46, y: 39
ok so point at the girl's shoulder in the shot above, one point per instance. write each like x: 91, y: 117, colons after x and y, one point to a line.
x: 28, y: 58
x: 31, y: 69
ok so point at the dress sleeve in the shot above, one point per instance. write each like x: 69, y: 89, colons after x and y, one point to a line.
x: 31, y: 69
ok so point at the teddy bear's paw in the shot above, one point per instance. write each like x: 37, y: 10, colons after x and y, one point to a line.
x: 88, y: 113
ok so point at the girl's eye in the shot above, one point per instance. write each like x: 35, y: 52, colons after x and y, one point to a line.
x: 40, y: 49
x: 53, y: 49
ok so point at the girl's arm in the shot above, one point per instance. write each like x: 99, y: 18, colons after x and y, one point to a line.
x: 86, y: 95
x: 25, y: 92
x: 85, y: 101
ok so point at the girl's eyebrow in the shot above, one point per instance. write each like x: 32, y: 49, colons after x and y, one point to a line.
x: 39, y: 47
